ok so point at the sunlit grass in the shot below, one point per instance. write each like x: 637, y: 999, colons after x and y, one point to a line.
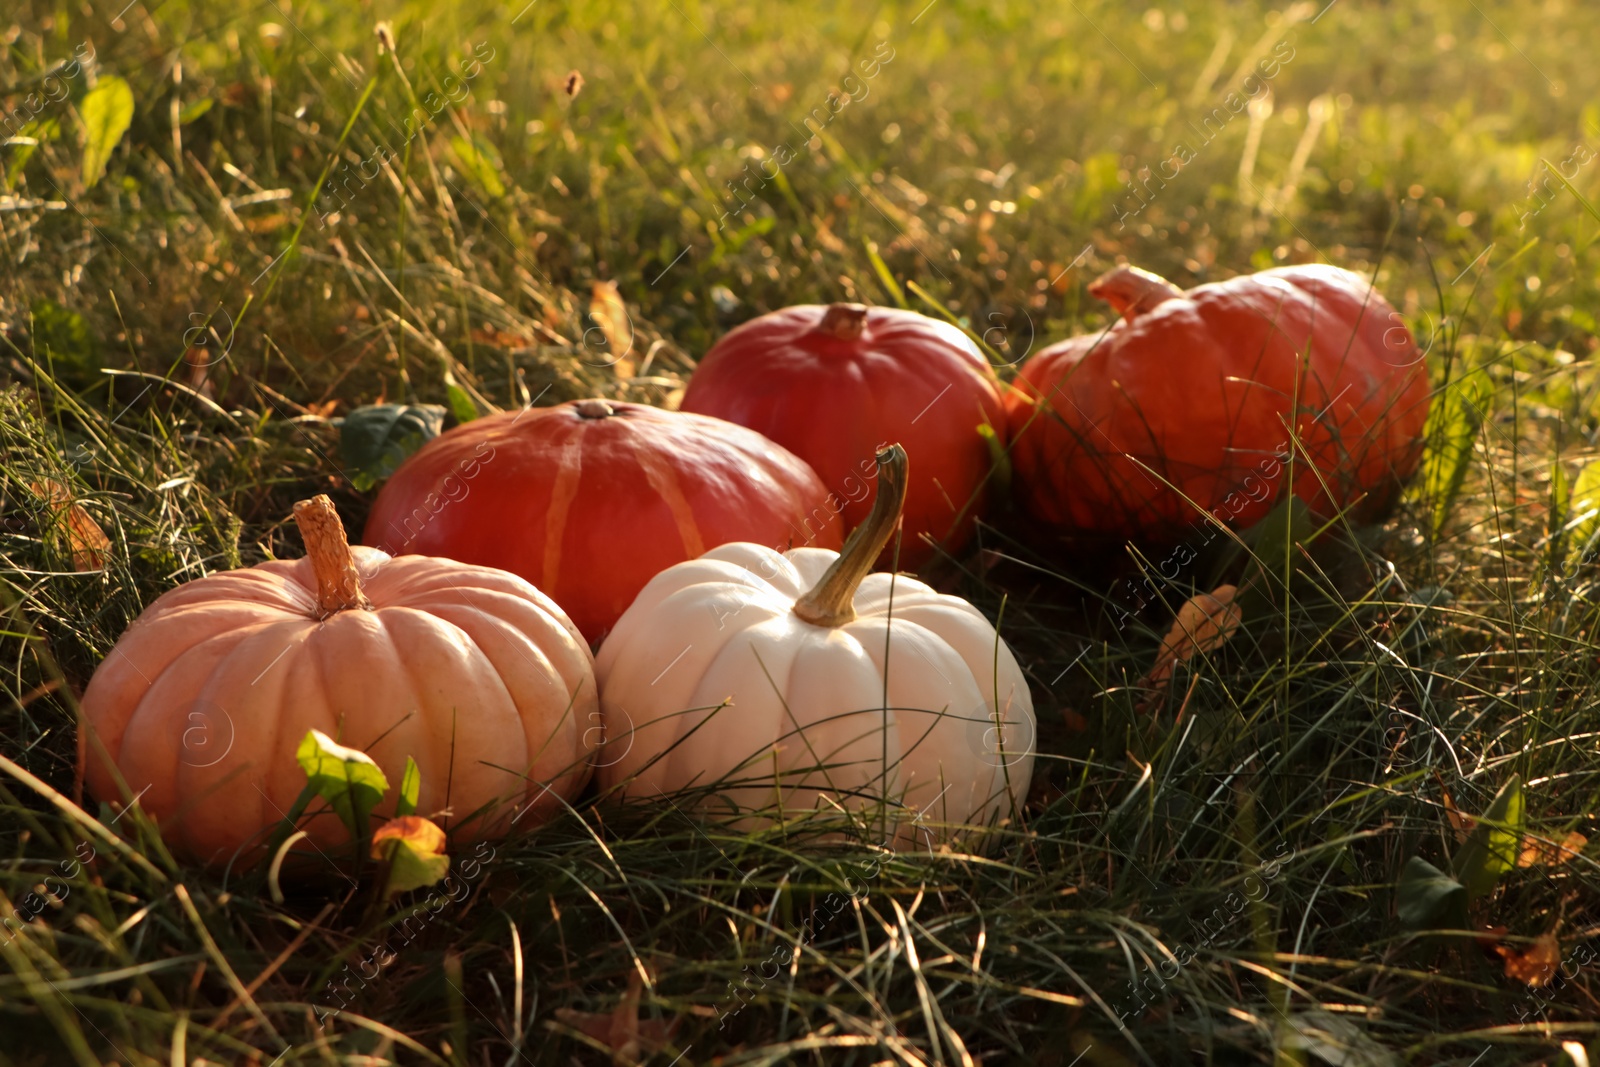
x: 1382, y: 677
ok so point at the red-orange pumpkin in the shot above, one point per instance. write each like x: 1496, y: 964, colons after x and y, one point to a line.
x: 834, y: 384
x: 1196, y: 401
x: 591, y: 499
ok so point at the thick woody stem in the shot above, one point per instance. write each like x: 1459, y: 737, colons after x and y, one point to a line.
x: 844, y: 321
x: 831, y: 601
x: 338, y: 583
x: 1133, y: 291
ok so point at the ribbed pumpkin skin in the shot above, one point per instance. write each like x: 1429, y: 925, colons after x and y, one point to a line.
x: 1200, y: 389
x: 711, y: 679
x: 204, y: 700
x: 834, y: 401
x: 589, y: 509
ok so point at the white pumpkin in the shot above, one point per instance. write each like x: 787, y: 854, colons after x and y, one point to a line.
x: 799, y: 680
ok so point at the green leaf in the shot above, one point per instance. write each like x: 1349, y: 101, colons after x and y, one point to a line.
x: 1428, y: 898
x: 461, y: 405
x: 480, y: 162
x: 412, y: 848
x: 107, y: 112
x: 1491, y: 849
x: 347, y: 778
x: 1584, y: 509
x: 194, y: 110
x: 410, y: 788
x: 374, y: 440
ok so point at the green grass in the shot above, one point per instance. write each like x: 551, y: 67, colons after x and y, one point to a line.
x: 1377, y: 672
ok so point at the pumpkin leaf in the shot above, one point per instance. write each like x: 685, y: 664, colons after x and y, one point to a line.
x: 374, y: 440
x: 611, y: 316
x: 1427, y: 897
x: 410, y: 788
x: 107, y: 112
x: 348, y: 779
x: 481, y: 163
x: 412, y: 850
x: 1492, y: 847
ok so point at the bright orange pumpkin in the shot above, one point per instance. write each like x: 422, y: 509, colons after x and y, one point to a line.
x: 472, y: 672
x: 591, y: 499
x: 834, y: 384
x: 1197, y: 401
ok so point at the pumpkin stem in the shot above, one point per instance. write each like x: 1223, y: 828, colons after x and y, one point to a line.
x: 1133, y: 291
x: 594, y: 409
x: 844, y: 321
x: 338, y: 583
x: 831, y: 601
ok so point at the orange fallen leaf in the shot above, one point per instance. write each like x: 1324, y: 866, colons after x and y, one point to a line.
x: 85, y: 540
x: 611, y: 315
x: 620, y: 1029
x: 1537, y: 851
x: 1537, y: 963
x: 1204, y: 623
x: 1076, y: 723
x: 412, y: 848
x: 1460, y: 822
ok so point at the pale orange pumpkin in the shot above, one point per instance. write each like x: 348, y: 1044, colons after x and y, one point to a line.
x: 470, y: 671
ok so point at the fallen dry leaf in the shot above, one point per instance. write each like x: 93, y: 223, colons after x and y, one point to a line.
x: 1536, y: 851
x: 1204, y: 624
x: 621, y: 1030
x: 611, y: 314
x: 1460, y: 821
x: 1537, y: 963
x: 85, y: 540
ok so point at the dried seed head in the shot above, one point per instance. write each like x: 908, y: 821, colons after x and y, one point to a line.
x: 574, y: 83
x: 385, y: 34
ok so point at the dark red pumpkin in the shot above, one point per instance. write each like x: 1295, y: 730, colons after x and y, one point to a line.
x: 834, y: 384
x: 590, y: 499
x: 1190, y: 401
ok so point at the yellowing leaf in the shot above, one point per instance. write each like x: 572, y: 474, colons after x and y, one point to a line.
x: 611, y: 316
x: 1536, y: 964
x: 1536, y: 852
x: 86, y: 542
x: 1204, y: 623
x: 107, y: 112
x: 413, y: 848
x: 347, y: 778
